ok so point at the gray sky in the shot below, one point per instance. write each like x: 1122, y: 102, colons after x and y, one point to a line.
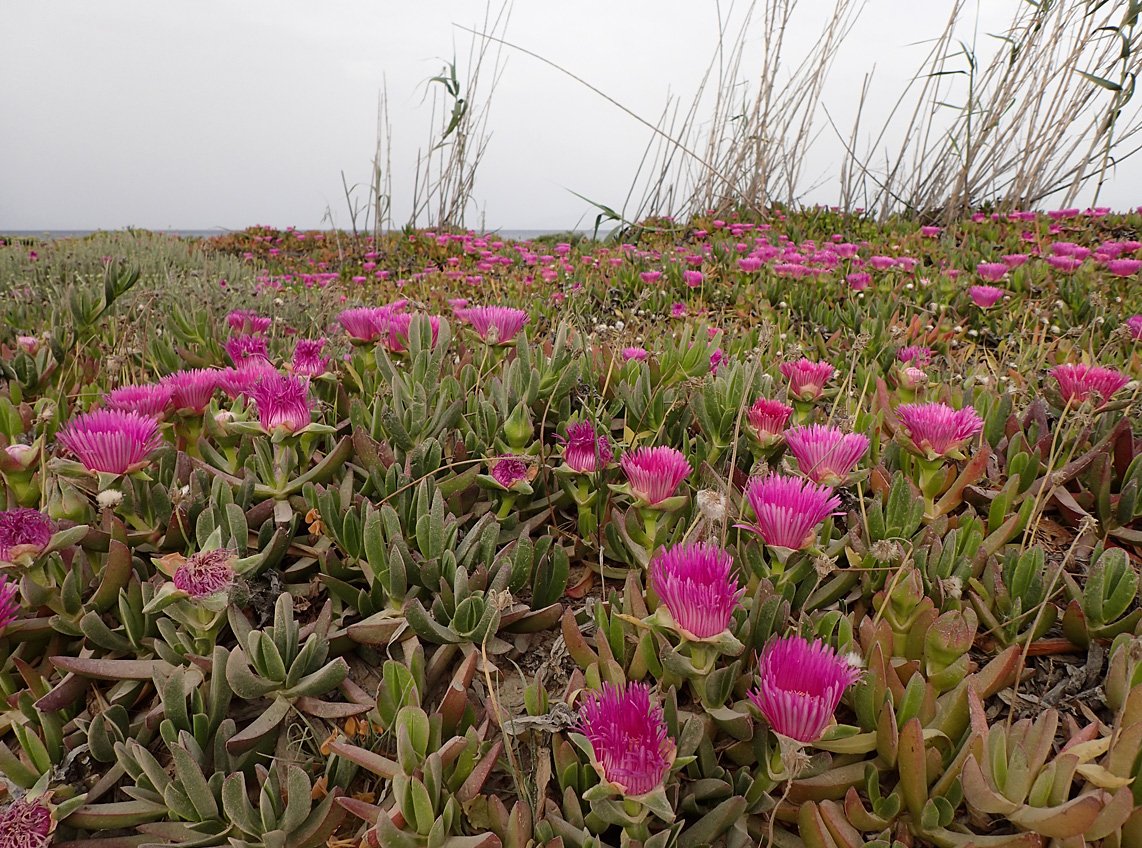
x: 227, y: 113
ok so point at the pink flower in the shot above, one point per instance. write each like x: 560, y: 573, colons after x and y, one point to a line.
x: 1014, y: 260
x: 716, y: 359
x: 495, y: 324
x: 192, y: 389
x: 693, y: 278
x: 111, y: 440
x: 1124, y: 267
x: 917, y: 355
x: 654, y: 473
x: 859, y: 281
x: 247, y: 321
x: 1133, y: 326
x: 750, y: 264
x: 824, y: 453
x: 695, y: 581
x: 247, y: 351
x: 26, y: 824
x: 9, y: 602
x: 638, y: 353
x: 149, y: 399
x: 767, y: 420
x: 650, y: 277
x: 206, y: 573
x: 1078, y: 382
x: 936, y: 429
x: 807, y: 378
x: 985, y: 297
x: 307, y: 358
x: 23, y: 531
x: 364, y: 323
x: 585, y: 452
x: 678, y: 310
x: 283, y: 402
x: 800, y: 684
x: 28, y: 344
x: 1066, y: 264
x: 508, y: 470
x: 629, y: 744
x: 930, y: 232
x: 398, y: 324
x: 236, y: 382
x: 788, y: 509
x: 993, y: 272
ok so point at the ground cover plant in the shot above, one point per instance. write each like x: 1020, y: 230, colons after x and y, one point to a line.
x: 787, y: 529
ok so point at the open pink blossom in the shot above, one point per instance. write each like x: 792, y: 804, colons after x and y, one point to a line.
x: 248, y: 321
x: 985, y: 297
x: 993, y: 272
x: 495, y: 324
x: 696, y: 583
x: 629, y: 353
x: 807, y: 379
x: 153, y: 399
x: 236, y: 382
x: 789, y: 509
x: 307, y: 358
x: 630, y: 747
x: 192, y: 389
x: 1124, y: 267
x: 1078, y: 382
x: 508, y: 470
x: 655, y: 473
x: 800, y: 684
x: 365, y: 323
x: 110, y: 440
x: 767, y: 419
x: 1133, y: 326
x: 936, y: 429
x: 824, y: 453
x: 23, y: 531
x: 916, y: 355
x: 206, y: 573
x: 283, y: 402
x: 586, y: 452
x: 26, y: 824
x: 247, y: 351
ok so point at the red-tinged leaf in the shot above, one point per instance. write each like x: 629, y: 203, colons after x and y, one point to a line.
x: 330, y: 709
x: 249, y: 736
x: 1066, y: 820
x: 115, y: 815
x: 979, y: 793
x: 366, y: 759
x: 101, y: 669
x: 366, y: 812
x: 812, y: 828
x: 911, y: 762
x: 475, y: 782
x: 69, y: 690
x: 356, y: 694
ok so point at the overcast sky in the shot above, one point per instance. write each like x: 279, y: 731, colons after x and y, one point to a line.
x: 227, y: 113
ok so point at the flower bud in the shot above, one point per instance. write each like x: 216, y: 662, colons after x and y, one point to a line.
x: 518, y: 429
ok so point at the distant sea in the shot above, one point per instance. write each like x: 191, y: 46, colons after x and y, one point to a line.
x: 516, y: 235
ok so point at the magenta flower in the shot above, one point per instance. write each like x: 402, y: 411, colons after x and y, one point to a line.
x: 151, y: 399
x: 693, y: 278
x: 936, y: 429
x: 1124, y: 267
x: 767, y: 420
x: 495, y: 324
x: 206, y: 573
x: 1078, y: 382
x: 859, y: 280
x: 397, y: 324
x: 192, y: 389
x: 9, y: 602
x: 824, y: 453
x: 985, y: 297
x: 110, y: 440
x: 236, y: 382
x: 678, y: 310
x: 23, y: 531
x: 993, y: 272
x: 248, y: 321
x: 638, y: 353
x: 695, y: 581
x: 585, y: 452
x: 26, y: 824
x: 807, y: 378
x: 916, y: 355
x: 788, y: 509
x: 283, y: 402
x: 650, y: 277
x: 29, y: 344
x: 800, y: 684
x: 508, y: 470
x: 1133, y: 326
x: 630, y: 748
x: 364, y: 324
x: 247, y: 351
x: 654, y: 473
x: 307, y: 358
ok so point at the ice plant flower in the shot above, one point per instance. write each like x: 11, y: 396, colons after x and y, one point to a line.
x: 206, y: 573
x: 767, y: 419
x: 800, y: 684
x: 985, y: 297
x: 936, y: 430
x: 993, y: 272
x: 788, y: 510
x: 586, y: 452
x: 248, y: 321
x: 1078, y: 382
x: 365, y: 323
x: 23, y: 532
x: 629, y: 353
x: 110, y: 440
x: 1133, y: 326
x: 192, y: 389
x: 630, y: 748
x: 807, y: 378
x: 26, y: 824
x: 247, y: 351
x: 9, y: 602
x: 1124, y: 267
x: 695, y: 582
x: 495, y: 324
x: 824, y: 453
x: 654, y: 473
x: 307, y: 358
x: 916, y: 355
x: 283, y: 402
x: 151, y: 399
x: 508, y: 470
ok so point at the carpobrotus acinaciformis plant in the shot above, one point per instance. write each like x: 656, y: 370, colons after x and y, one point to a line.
x: 1079, y: 383
x: 695, y: 583
x: 495, y: 325
x: 111, y: 441
x: 824, y: 453
x: 24, y: 533
x: 630, y: 748
x: 935, y: 434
